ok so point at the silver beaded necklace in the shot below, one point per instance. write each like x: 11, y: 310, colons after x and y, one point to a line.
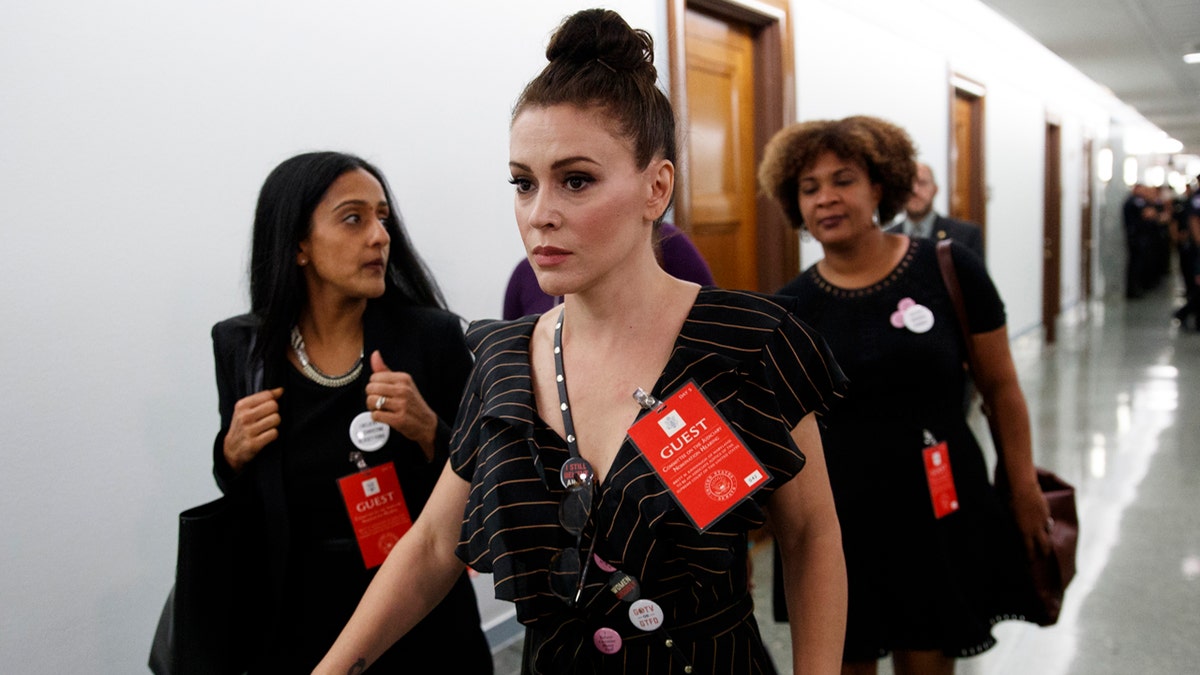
x: 313, y: 373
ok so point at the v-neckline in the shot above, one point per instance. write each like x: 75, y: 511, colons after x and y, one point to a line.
x: 654, y: 390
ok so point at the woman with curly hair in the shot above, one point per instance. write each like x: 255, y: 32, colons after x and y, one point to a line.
x: 928, y: 575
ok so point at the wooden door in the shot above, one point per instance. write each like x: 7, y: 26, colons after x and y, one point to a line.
x: 968, y: 195
x: 1052, y: 234
x: 721, y: 200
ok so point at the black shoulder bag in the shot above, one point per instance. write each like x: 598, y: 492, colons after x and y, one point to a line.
x: 204, y: 626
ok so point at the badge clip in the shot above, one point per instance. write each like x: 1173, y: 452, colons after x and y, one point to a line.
x: 356, y: 458
x: 646, y: 401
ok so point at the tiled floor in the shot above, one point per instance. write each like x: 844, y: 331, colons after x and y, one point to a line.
x: 1115, y: 406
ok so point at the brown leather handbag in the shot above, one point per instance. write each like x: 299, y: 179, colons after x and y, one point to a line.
x: 1044, y: 582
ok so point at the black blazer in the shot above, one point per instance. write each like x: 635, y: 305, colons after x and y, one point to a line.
x: 967, y: 234
x: 427, y: 343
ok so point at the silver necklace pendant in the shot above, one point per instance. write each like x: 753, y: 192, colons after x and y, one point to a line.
x: 313, y: 373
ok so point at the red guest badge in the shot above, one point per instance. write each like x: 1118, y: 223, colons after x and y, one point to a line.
x: 698, y: 456
x: 941, y: 480
x: 377, y: 511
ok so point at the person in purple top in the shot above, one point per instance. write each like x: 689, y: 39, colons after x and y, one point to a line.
x: 676, y: 253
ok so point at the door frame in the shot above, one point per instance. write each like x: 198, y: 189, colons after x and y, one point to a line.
x: 974, y: 93
x: 1052, y: 230
x: 775, y: 107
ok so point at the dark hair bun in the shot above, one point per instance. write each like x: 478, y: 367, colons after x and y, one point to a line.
x: 602, y: 35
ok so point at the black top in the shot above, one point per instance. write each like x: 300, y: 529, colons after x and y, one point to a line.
x: 312, y: 562
x: 916, y: 582
x: 762, y: 368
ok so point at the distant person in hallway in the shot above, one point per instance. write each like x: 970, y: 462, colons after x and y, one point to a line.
x: 928, y: 561
x: 675, y: 252
x: 1140, y: 218
x: 920, y: 220
x: 1161, y: 245
x: 1187, y: 240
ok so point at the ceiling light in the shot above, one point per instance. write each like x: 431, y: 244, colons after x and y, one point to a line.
x: 1131, y: 171
x: 1104, y: 163
x: 1192, y: 57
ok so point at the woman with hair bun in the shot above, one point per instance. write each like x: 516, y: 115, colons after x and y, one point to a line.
x: 611, y: 455
x: 926, y: 548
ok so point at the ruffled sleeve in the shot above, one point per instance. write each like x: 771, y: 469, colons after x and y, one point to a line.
x: 498, y: 387
x: 763, y: 368
x: 489, y: 449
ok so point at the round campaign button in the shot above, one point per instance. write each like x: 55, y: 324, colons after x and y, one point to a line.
x: 607, y: 640
x: 368, y: 435
x: 918, y: 319
x: 575, y: 471
x: 646, y: 615
x: 913, y: 316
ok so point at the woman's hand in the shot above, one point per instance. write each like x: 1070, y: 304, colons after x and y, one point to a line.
x: 255, y: 423
x: 1033, y: 518
x: 394, y: 400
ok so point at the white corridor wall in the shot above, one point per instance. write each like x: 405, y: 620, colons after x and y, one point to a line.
x: 134, y: 135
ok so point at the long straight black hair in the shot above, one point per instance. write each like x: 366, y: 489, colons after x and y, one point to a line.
x: 283, y: 219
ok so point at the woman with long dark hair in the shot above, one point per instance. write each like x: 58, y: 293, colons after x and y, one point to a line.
x: 336, y: 393
x: 611, y: 456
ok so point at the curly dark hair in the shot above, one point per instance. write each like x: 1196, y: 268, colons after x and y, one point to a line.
x: 883, y: 148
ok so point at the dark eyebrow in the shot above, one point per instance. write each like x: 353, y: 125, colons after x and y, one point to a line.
x: 356, y: 202
x: 558, y: 164
x: 573, y: 160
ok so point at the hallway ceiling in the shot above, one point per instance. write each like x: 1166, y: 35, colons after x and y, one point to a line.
x: 1133, y: 47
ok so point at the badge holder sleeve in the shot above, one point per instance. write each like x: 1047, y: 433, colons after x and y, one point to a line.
x: 697, y: 454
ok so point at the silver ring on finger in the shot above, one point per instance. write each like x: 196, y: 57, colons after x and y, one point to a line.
x: 379, y: 402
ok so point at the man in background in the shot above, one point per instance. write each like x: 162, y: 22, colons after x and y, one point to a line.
x: 922, y: 221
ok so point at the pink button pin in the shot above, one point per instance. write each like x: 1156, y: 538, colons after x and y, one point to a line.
x: 607, y: 640
x: 603, y: 564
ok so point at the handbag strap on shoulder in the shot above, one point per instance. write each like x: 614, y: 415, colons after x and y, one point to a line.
x: 950, y: 278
